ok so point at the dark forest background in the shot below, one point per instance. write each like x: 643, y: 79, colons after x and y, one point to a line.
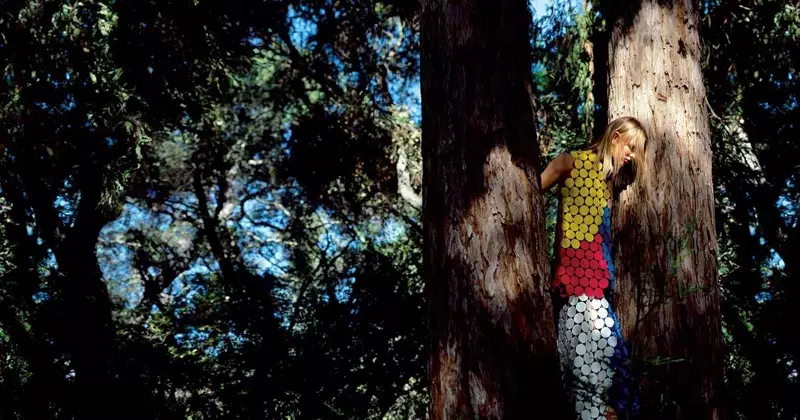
x: 213, y: 208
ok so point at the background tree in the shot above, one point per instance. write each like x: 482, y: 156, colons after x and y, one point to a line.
x: 218, y: 261
x: 492, y: 333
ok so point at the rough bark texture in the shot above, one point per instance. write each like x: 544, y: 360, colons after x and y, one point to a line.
x: 493, y: 350
x: 668, y: 294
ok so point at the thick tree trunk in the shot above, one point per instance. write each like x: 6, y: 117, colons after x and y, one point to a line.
x: 668, y: 294
x: 493, y: 349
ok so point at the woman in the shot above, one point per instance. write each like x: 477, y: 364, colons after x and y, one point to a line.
x: 589, y: 335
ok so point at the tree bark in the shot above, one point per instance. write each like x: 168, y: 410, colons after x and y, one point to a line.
x: 668, y: 294
x: 493, y: 348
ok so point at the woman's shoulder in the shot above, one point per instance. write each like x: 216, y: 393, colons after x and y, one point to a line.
x: 579, y: 153
x: 583, y: 155
x: 565, y: 160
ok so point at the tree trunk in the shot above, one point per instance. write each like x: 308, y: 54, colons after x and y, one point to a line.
x: 668, y: 294
x: 493, y: 347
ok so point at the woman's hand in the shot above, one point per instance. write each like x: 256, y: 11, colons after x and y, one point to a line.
x: 611, y: 414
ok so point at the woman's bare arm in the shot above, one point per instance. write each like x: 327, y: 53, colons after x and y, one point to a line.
x: 557, y: 170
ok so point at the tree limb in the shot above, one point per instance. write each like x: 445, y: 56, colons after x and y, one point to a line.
x: 404, y: 181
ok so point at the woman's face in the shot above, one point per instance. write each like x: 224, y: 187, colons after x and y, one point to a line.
x: 623, y: 144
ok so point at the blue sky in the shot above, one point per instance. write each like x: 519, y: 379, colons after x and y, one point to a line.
x: 538, y: 6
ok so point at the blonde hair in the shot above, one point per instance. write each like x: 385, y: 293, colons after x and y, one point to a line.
x: 609, y: 155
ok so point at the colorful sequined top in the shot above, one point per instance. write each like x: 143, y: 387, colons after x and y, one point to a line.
x: 584, y: 261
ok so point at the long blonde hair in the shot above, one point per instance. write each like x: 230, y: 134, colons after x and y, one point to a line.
x: 606, y: 151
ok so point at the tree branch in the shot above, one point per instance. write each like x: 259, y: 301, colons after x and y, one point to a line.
x: 404, y: 181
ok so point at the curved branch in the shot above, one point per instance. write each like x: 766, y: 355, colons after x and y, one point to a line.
x: 404, y: 181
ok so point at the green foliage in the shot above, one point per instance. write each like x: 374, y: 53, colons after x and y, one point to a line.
x: 752, y: 88
x: 181, y: 134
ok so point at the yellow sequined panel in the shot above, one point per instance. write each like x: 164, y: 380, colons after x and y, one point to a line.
x: 585, y: 197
